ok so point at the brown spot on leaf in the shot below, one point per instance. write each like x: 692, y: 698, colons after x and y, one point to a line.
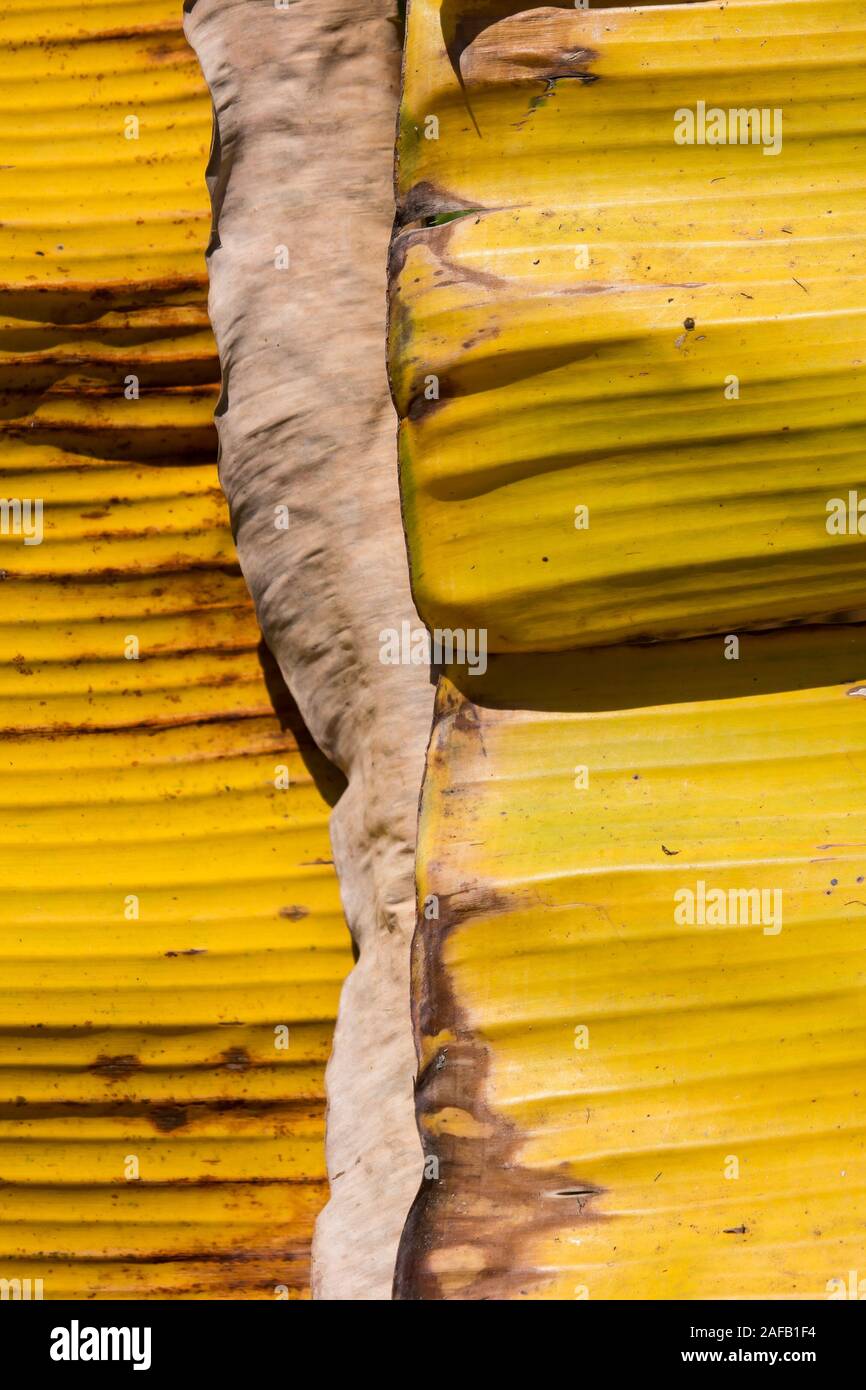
x: 237, y: 1059
x: 167, y: 1118
x: 115, y: 1068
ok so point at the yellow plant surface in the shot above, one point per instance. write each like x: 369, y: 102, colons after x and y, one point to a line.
x: 629, y: 369
x: 635, y: 1086
x: 170, y: 929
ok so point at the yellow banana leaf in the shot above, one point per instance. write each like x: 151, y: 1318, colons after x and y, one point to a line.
x: 627, y: 357
x: 638, y: 975
x: 170, y: 930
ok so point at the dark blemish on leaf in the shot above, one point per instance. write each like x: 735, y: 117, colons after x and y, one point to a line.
x: 426, y: 202
x: 168, y: 1118
x: 422, y: 405
x: 237, y: 1059
x: 115, y: 1068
